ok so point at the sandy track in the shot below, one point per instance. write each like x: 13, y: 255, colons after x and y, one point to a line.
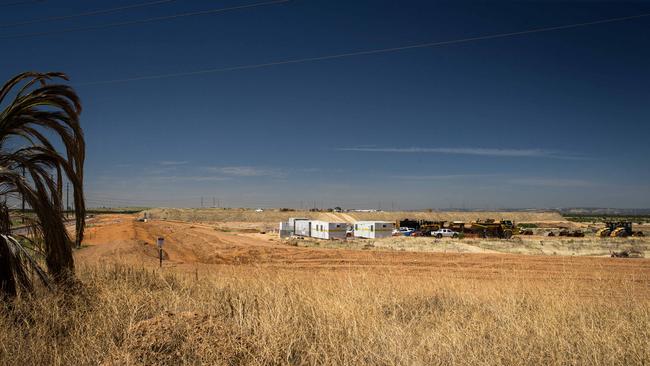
x: 119, y: 238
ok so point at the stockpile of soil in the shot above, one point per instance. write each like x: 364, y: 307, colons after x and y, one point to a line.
x: 243, y: 215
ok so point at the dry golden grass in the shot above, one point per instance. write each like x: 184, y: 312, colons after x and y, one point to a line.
x: 247, y: 315
x: 536, y: 245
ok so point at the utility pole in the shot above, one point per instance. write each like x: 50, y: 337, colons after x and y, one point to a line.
x: 201, y: 201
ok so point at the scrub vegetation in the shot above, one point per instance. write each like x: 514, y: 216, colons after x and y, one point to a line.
x: 136, y: 316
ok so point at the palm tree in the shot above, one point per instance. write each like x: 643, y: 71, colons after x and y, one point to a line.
x: 42, y: 112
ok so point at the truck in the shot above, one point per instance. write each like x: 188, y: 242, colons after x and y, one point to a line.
x: 447, y: 233
x: 490, y: 228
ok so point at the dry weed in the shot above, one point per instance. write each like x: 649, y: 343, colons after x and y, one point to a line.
x: 246, y: 315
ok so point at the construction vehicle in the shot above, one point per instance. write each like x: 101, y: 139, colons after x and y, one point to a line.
x: 457, y: 226
x: 421, y: 227
x: 618, y: 229
x: 490, y: 228
x: 573, y: 234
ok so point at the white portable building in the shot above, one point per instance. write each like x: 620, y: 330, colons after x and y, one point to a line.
x: 373, y: 229
x: 292, y: 220
x: 328, y: 230
x: 302, y: 228
x: 286, y: 230
x: 289, y: 228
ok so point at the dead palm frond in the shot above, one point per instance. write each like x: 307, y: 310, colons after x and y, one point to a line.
x: 32, y: 168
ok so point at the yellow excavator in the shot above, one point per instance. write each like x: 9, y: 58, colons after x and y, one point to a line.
x: 618, y: 229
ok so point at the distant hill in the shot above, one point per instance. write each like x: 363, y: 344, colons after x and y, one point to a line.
x: 596, y: 211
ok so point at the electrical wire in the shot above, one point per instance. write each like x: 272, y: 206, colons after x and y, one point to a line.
x: 86, y: 14
x: 22, y: 3
x: 366, y: 52
x: 143, y: 21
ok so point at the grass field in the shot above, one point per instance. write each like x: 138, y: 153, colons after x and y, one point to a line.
x: 237, y: 316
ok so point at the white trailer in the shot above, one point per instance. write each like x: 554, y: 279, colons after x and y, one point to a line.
x: 289, y: 228
x: 292, y: 220
x: 302, y: 228
x: 328, y: 230
x: 373, y: 229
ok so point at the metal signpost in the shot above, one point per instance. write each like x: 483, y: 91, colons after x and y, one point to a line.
x: 161, y: 242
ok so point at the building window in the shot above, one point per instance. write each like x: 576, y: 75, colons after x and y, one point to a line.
x: 372, y: 227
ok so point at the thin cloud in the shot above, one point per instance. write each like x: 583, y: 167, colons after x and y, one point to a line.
x: 190, y: 178
x: 552, y: 182
x: 172, y: 162
x: 444, y: 177
x: 245, y: 171
x: 476, y: 151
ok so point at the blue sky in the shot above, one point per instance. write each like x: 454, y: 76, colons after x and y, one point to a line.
x: 548, y: 119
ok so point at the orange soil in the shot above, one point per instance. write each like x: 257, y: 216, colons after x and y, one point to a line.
x: 190, y: 246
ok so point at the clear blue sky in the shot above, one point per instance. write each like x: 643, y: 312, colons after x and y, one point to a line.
x: 549, y: 119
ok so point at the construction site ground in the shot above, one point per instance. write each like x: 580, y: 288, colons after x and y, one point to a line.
x: 209, y: 248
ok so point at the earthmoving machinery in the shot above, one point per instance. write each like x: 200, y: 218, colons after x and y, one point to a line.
x: 572, y: 234
x: 457, y: 226
x: 421, y: 227
x: 490, y: 228
x: 618, y: 229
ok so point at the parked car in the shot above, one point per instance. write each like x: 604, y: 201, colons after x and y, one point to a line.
x: 406, y: 231
x: 448, y: 233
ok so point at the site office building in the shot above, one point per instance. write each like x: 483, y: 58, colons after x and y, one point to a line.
x: 373, y: 229
x: 320, y: 229
x: 288, y: 228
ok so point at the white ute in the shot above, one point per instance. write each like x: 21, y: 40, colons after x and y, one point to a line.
x: 403, y: 231
x: 444, y: 232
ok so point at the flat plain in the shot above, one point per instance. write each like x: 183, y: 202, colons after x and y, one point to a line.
x: 230, y: 292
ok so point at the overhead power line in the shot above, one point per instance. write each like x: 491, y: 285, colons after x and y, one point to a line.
x: 143, y: 21
x: 366, y: 52
x: 14, y: 3
x: 86, y: 14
